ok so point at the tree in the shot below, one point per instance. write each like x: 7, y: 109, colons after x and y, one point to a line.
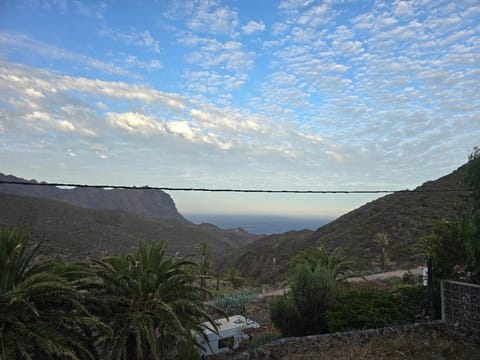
x: 304, y: 310
x: 383, y: 259
x: 472, y: 177
x: 155, y: 302
x: 42, y: 305
x: 332, y: 260
x: 470, y: 227
x: 204, y: 265
x: 234, y: 277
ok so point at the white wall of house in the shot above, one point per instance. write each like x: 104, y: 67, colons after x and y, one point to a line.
x: 229, y: 335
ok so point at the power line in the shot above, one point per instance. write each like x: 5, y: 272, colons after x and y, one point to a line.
x: 188, y: 189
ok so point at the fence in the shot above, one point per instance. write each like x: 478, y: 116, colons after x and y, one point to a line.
x: 461, y: 305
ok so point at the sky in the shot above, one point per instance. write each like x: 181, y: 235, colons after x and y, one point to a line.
x: 290, y: 94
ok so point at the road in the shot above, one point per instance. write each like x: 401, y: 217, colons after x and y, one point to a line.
x: 385, y: 275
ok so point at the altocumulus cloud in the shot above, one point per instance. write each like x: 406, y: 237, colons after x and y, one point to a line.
x: 33, y: 95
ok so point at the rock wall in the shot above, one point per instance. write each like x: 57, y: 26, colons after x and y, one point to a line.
x: 316, y: 345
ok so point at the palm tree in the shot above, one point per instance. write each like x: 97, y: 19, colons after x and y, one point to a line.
x: 155, y: 301
x: 204, y: 266
x: 383, y: 259
x: 42, y: 312
x: 332, y: 260
x: 427, y: 245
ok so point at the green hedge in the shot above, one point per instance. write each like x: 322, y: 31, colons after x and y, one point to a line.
x: 366, y: 308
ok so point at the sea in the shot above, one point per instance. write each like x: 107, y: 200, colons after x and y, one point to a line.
x: 260, y: 224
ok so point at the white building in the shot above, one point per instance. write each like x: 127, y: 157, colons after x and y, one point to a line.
x: 229, y: 336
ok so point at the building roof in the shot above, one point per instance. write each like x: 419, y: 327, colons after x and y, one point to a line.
x: 233, y: 322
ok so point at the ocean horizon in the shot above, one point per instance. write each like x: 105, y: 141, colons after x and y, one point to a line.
x: 261, y: 224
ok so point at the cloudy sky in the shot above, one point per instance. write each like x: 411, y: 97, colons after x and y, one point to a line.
x: 292, y: 94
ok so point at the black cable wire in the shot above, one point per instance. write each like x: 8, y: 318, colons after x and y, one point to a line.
x: 234, y: 190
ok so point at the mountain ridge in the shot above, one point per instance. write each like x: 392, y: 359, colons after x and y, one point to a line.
x: 404, y: 216
x: 152, y: 203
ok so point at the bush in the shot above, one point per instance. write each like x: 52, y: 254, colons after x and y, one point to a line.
x: 285, y: 316
x: 262, y: 339
x: 413, y: 303
x: 366, y: 308
x: 363, y: 309
x: 304, y: 310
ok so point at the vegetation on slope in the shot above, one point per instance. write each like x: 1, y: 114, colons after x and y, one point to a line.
x: 76, y: 232
x: 151, y: 203
x: 404, y: 217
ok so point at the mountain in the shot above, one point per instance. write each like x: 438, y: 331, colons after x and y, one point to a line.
x: 404, y: 216
x: 76, y: 232
x: 146, y: 202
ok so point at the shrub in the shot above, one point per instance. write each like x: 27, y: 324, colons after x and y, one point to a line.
x: 413, y: 303
x: 304, y: 310
x: 285, y: 316
x: 368, y: 307
x: 363, y: 309
x: 262, y: 339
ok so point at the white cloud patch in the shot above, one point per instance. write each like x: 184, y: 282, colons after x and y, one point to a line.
x: 212, y: 82
x: 209, y: 18
x: 132, y: 61
x: 134, y: 37
x: 253, y: 27
x: 181, y: 128
x: 403, y: 8
x: 13, y: 42
x: 169, y: 115
x: 135, y: 122
x: 57, y: 124
x: 210, y: 53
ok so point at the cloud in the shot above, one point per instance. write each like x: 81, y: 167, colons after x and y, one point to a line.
x: 95, y: 11
x: 212, y: 82
x: 65, y: 102
x: 69, y: 104
x: 19, y: 42
x: 294, y: 4
x: 403, y: 8
x: 209, y: 53
x: 89, y: 10
x: 133, y: 61
x: 181, y: 128
x: 143, y: 39
x: 210, y: 18
x: 314, y: 16
x: 135, y: 122
x: 337, y: 96
x: 252, y: 27
x: 57, y: 124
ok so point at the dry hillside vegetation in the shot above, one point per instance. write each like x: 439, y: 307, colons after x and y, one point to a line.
x: 404, y: 216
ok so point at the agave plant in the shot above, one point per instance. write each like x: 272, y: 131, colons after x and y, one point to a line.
x: 42, y: 312
x: 156, y: 302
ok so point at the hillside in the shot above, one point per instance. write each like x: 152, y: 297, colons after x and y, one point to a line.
x: 405, y: 216
x: 76, y: 232
x: 146, y: 202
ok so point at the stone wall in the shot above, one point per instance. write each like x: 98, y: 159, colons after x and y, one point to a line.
x: 317, y: 344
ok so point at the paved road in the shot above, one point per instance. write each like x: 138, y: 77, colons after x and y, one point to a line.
x: 379, y: 276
